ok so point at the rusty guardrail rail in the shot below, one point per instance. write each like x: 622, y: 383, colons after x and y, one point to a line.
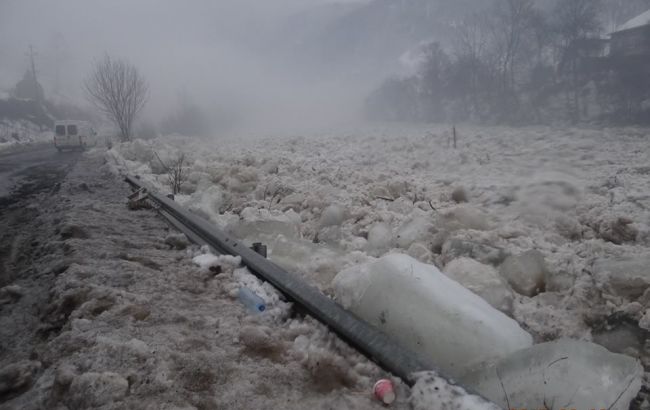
x: 369, y: 340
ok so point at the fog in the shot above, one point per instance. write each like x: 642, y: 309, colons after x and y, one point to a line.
x: 284, y: 66
x: 232, y: 58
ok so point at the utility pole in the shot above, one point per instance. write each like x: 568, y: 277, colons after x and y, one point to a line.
x: 34, y: 90
x: 31, y: 55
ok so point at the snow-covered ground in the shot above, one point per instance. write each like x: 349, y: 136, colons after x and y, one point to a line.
x: 112, y: 309
x: 550, y: 226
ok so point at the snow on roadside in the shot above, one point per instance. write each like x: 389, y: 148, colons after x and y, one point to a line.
x: 14, y: 134
x: 121, y: 317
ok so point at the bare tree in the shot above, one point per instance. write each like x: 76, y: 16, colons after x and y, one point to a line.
x: 175, y: 172
x: 511, y: 32
x: 513, y: 23
x: 117, y: 89
x: 575, y: 21
x: 473, y: 64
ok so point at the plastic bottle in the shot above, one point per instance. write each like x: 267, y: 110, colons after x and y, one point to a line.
x: 252, y: 302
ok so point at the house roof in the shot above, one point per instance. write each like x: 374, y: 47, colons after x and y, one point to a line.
x: 638, y: 21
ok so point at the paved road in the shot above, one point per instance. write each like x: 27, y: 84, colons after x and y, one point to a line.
x: 27, y: 179
x: 29, y: 172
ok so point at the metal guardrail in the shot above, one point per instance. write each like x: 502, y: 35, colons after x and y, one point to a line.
x: 369, y: 340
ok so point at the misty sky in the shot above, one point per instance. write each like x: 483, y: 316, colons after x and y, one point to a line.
x: 217, y: 52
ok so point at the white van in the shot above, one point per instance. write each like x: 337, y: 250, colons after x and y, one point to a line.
x: 73, y: 135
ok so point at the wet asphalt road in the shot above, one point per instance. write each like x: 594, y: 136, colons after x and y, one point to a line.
x: 32, y: 171
x: 27, y: 179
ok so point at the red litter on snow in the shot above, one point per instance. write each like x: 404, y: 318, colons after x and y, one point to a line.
x: 384, y: 391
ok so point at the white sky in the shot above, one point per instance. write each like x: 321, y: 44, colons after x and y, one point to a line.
x: 218, y: 51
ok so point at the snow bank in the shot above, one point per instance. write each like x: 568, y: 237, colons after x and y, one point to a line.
x: 14, y: 134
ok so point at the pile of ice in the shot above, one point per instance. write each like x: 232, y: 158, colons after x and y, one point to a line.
x: 469, y: 340
x: 549, y: 226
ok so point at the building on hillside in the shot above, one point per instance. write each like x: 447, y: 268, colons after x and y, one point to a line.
x: 609, y: 72
x: 29, y: 88
x: 586, y: 56
x: 632, y: 38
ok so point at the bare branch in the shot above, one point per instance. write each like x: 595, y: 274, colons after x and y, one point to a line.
x: 175, y: 172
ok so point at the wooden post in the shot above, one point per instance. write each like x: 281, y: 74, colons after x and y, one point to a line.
x: 454, y: 131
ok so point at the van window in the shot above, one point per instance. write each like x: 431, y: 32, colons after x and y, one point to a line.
x: 72, y: 130
x: 60, y: 130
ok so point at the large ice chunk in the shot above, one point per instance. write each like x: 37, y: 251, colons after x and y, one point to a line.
x: 262, y: 225
x: 318, y: 261
x: 628, y: 277
x: 333, y: 215
x: 206, y: 202
x: 526, y: 272
x: 561, y: 374
x: 380, y: 239
x: 484, y: 253
x: 466, y: 217
x: 484, y: 280
x: 429, y: 313
x: 263, y: 230
x: 416, y: 229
